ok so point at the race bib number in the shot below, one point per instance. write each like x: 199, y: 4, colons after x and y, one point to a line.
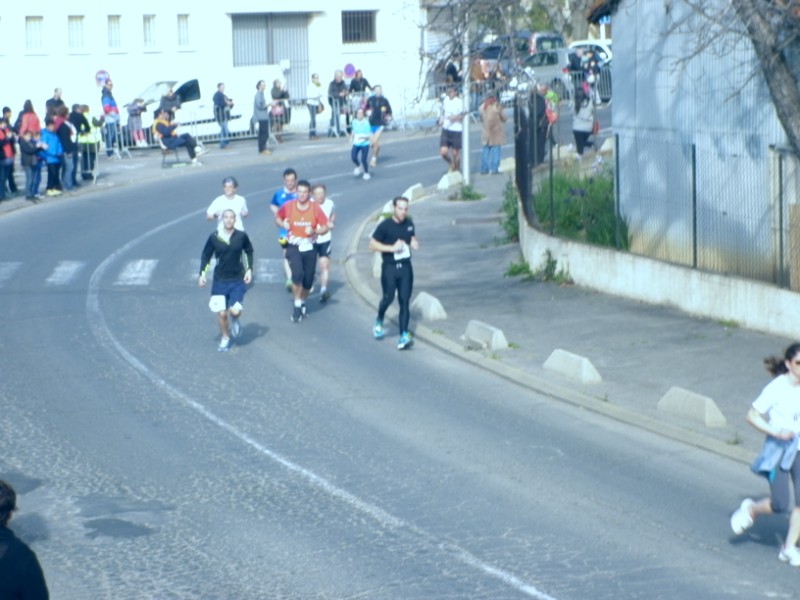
x: 305, y: 245
x: 404, y: 253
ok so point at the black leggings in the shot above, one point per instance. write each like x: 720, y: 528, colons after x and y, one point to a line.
x: 779, y: 487
x: 397, y: 277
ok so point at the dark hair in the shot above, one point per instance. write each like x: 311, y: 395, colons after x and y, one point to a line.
x: 399, y: 199
x: 776, y: 365
x: 8, y: 502
x: 27, y: 106
x: 230, y: 179
x: 48, y: 120
x: 289, y: 171
x: 219, y: 84
x: 260, y: 81
x: 76, y: 107
x: 6, y: 109
x: 580, y: 97
x: 304, y: 183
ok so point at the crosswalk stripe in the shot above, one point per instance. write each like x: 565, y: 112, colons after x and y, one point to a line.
x: 136, y: 272
x: 7, y: 269
x: 65, y: 271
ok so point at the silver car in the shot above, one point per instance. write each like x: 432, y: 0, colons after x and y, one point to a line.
x: 551, y: 68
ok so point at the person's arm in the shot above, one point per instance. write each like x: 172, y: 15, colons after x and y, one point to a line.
x: 760, y: 422
x: 414, y: 243
x: 321, y: 221
x: 377, y: 246
x: 205, y: 261
x: 280, y: 218
x: 248, y: 252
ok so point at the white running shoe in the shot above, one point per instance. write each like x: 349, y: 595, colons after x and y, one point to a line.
x: 741, y: 520
x: 367, y: 177
x: 790, y: 554
x: 224, y: 345
x: 358, y: 171
x: 373, y: 162
x: 200, y: 150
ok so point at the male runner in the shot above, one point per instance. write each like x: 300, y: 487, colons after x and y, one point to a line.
x: 395, y: 238
x: 279, y: 198
x: 228, y: 199
x: 304, y: 221
x: 234, y: 254
x: 379, y: 112
x: 323, y: 242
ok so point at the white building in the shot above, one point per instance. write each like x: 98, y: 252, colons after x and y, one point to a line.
x: 52, y: 43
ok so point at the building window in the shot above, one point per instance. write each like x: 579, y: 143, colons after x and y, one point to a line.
x: 33, y: 32
x: 75, y: 32
x: 114, y: 31
x: 149, y: 31
x: 183, y: 31
x: 358, y: 26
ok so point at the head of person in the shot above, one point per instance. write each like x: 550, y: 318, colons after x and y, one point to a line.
x: 228, y: 219
x: 277, y: 84
x: 27, y: 106
x: 221, y: 87
x: 359, y: 113
x: 229, y: 186
x: 49, y: 124
x: 303, y: 191
x: 57, y: 93
x: 338, y: 74
x: 76, y: 108
x: 790, y: 363
x: 541, y: 88
x: 6, y: 113
x: 108, y: 85
x: 62, y: 111
x: 170, y: 92
x: 358, y: 74
x: 261, y: 85
x: 290, y: 179
x: 8, y: 503
x: 399, y: 208
x: 378, y: 90
x: 318, y: 193
x: 163, y: 113
x: 315, y: 78
x: 452, y: 91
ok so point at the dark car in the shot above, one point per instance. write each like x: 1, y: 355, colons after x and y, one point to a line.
x: 508, y: 52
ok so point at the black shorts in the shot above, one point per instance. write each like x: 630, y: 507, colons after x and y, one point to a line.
x: 302, y: 265
x: 450, y: 139
x: 324, y: 249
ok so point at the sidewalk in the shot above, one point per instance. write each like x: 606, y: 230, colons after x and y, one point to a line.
x: 640, y: 351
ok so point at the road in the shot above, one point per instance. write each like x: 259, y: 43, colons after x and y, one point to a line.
x: 311, y: 461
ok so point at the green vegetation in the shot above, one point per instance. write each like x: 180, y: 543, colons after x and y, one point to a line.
x: 519, y: 269
x: 510, y: 210
x: 583, y: 208
x: 729, y: 323
x: 466, y: 193
x: 549, y: 271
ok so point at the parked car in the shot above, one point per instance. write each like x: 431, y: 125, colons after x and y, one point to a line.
x: 545, y: 41
x: 508, y: 53
x: 601, y: 48
x: 550, y: 67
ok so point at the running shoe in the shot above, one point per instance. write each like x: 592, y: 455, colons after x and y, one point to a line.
x: 741, y: 520
x: 326, y: 295
x: 367, y: 177
x: 790, y: 554
x: 297, y: 314
x: 373, y: 162
x: 358, y: 171
x: 200, y: 150
x: 224, y: 345
x: 236, y: 327
x: 377, y: 330
x: 303, y: 310
x: 405, y: 341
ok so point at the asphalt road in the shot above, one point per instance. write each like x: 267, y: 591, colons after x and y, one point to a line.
x: 311, y: 461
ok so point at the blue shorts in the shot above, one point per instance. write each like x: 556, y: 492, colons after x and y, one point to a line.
x: 376, y: 128
x: 232, y: 290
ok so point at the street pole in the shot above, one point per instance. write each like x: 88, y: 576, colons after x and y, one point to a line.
x: 467, y: 70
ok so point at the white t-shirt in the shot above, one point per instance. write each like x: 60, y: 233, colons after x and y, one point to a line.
x: 222, y: 203
x: 452, y: 107
x: 780, y: 402
x: 327, y: 207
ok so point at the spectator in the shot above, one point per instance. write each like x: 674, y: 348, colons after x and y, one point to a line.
x: 540, y: 127
x: 12, y: 184
x: 165, y: 129
x: 81, y: 125
x: 279, y: 110
x: 314, y: 104
x: 6, y: 155
x: 111, y: 113
x: 452, y: 72
x: 135, y: 111
x: 583, y: 122
x: 31, y: 162
x: 54, y: 103
x: 68, y: 136
x: 337, y: 96
x: 222, y: 113
x: 477, y: 84
x: 52, y: 151
x: 88, y: 143
x: 170, y: 102
x: 359, y: 84
x: 21, y: 574
x: 493, y: 135
x: 28, y: 120
x: 261, y: 116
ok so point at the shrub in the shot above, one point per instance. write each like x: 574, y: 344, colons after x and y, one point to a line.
x: 510, y: 210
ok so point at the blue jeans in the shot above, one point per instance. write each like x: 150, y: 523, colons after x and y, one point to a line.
x: 111, y: 138
x: 224, y: 134
x: 362, y: 151
x: 490, y: 159
x: 3, y: 176
x: 68, y: 170
x: 32, y: 184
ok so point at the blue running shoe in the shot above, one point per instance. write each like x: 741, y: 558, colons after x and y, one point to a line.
x: 405, y: 341
x: 377, y: 330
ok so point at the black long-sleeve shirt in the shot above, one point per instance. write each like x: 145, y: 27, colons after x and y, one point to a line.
x: 20, y: 572
x: 234, y: 256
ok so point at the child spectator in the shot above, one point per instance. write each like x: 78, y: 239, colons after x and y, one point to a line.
x: 52, y: 152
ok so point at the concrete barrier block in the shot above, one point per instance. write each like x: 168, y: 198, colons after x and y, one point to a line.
x: 508, y: 165
x: 573, y: 366
x: 429, y: 307
x: 377, y: 261
x: 485, y: 335
x: 607, y: 146
x: 449, y: 179
x: 683, y: 403
x: 388, y: 208
x: 414, y: 193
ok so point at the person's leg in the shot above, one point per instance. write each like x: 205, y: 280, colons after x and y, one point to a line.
x: 324, y: 264
x: 37, y: 177
x: 75, y: 158
x: 485, y: 159
x: 365, y: 158
x: 67, y: 171
x: 494, y: 159
x: 29, y: 193
x: 3, y: 177
x: 374, y: 143
x: 12, y: 185
x: 309, y: 269
x: 312, y: 120
x: 456, y: 159
x: 444, y: 152
x: 190, y: 144
x: 404, y: 289
x: 354, y: 152
x: 222, y: 321
x: 388, y: 287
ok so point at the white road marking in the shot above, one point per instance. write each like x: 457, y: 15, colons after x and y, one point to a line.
x: 104, y: 336
x: 65, y: 271
x: 136, y: 272
x: 7, y: 269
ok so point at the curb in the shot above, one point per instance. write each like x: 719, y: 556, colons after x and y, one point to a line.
x: 537, y: 384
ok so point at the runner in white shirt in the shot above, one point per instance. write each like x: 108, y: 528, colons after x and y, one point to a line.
x: 323, y: 242
x: 451, y: 121
x: 228, y: 200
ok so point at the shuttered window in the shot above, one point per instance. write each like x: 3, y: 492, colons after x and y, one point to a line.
x: 358, y: 26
